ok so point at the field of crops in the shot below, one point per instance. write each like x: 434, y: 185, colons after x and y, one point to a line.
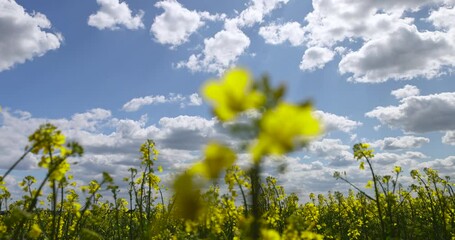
x: 254, y: 207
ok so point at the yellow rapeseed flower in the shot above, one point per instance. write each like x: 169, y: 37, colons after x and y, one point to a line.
x: 217, y: 158
x: 362, y: 150
x: 234, y: 94
x: 284, y: 128
x: 60, y: 171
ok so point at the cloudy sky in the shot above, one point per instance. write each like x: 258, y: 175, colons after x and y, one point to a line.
x: 113, y: 73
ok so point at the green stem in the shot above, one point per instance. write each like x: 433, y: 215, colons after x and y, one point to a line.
x: 245, y: 204
x: 60, y: 210
x: 376, y: 192
x: 17, y: 162
x: 54, y: 209
x: 255, y: 189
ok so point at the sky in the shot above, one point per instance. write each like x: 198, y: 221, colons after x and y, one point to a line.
x: 111, y: 74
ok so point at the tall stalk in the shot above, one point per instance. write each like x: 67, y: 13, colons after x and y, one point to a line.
x: 377, y: 200
x: 255, y: 194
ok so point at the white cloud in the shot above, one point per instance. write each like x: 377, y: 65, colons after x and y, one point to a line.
x: 419, y: 113
x: 449, y: 138
x: 406, y: 91
x: 445, y: 166
x: 443, y: 18
x: 137, y: 103
x: 406, y: 160
x: 176, y: 24
x: 195, y: 100
x: 333, y: 21
x: 254, y: 13
x: 23, y: 35
x: 333, y: 150
x: 316, y: 57
x: 223, y: 49
x: 303, y: 178
x: 220, y: 51
x: 404, y: 142
x: 377, y: 40
x: 89, y: 119
x: 279, y: 33
x: 334, y: 122
x: 189, y: 132
x: 404, y: 54
x: 113, y: 14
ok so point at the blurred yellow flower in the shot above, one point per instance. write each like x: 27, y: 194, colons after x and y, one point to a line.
x: 362, y: 165
x: 234, y: 94
x: 188, y: 204
x: 270, y: 234
x: 35, y: 231
x: 60, y: 171
x: 217, y: 158
x: 284, y: 128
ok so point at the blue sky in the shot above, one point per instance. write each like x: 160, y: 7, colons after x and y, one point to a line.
x: 113, y: 73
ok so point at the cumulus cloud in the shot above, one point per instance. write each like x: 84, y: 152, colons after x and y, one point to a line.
x: 190, y: 132
x: 114, y: 14
x: 419, y: 114
x: 316, y: 57
x: 404, y: 54
x: 403, y: 142
x: 333, y: 122
x: 381, y: 40
x: 406, y: 91
x: 137, y: 103
x: 195, y: 100
x: 279, y: 33
x: 176, y: 24
x: 23, y: 35
x: 445, y: 166
x: 331, y: 149
x: 254, y: 13
x: 334, y: 21
x: 220, y: 51
x: 306, y: 177
x: 443, y: 18
x: 223, y: 49
x: 406, y: 160
x: 449, y: 138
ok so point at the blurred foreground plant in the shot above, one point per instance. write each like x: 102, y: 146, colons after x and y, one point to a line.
x: 281, y: 128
